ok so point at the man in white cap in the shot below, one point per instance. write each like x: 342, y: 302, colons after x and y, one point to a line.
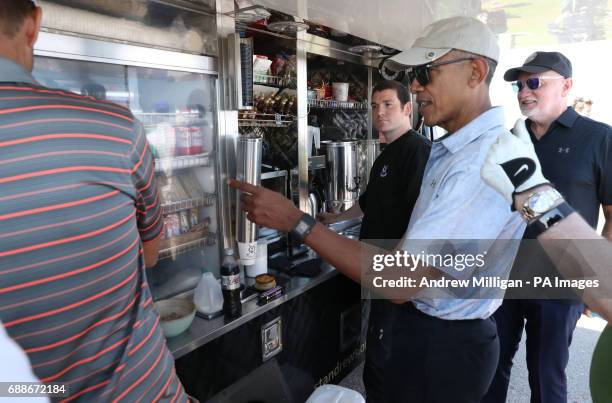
x: 445, y: 346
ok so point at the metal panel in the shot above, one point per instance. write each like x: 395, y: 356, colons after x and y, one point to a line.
x: 93, y: 50
x: 228, y: 136
x: 228, y: 123
x: 325, y: 47
x: 393, y: 23
x: 302, y: 117
x: 234, y: 73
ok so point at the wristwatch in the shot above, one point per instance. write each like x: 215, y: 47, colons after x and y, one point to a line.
x: 539, y: 203
x: 303, y: 227
x: 550, y: 218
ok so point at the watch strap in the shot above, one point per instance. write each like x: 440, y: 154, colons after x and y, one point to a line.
x: 303, y: 227
x: 550, y: 218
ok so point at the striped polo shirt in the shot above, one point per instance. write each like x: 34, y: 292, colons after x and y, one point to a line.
x: 77, y: 198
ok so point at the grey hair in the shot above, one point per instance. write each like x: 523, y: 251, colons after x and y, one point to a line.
x: 492, y: 64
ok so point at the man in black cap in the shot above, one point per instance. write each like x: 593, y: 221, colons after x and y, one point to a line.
x: 576, y: 156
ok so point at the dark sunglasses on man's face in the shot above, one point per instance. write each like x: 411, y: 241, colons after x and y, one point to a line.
x: 421, y: 73
x: 533, y: 83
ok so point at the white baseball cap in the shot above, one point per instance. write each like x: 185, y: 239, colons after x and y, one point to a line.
x: 437, y: 39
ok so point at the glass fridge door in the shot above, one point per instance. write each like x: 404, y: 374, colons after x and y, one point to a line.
x: 177, y: 110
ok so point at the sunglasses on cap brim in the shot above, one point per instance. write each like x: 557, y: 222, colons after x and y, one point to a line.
x: 421, y: 73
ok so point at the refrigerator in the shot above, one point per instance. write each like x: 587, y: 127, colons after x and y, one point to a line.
x: 177, y: 108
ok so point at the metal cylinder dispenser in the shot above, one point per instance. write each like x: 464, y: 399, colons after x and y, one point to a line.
x: 248, y: 169
x: 343, y: 177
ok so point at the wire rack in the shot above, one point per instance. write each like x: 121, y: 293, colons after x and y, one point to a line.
x: 275, y: 81
x: 208, y: 240
x: 333, y: 104
x: 187, y: 161
x: 207, y: 199
x: 150, y: 119
x: 265, y: 120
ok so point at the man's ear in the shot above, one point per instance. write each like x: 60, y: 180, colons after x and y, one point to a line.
x: 408, y: 108
x: 567, y: 86
x: 32, y: 26
x: 480, y: 70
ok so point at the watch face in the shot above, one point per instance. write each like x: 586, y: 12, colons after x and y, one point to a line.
x: 302, y: 227
x: 543, y: 202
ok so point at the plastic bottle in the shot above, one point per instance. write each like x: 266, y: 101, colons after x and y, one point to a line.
x: 197, y: 140
x: 230, y: 285
x: 208, y: 297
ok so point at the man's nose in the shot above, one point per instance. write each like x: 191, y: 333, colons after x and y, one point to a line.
x: 524, y: 92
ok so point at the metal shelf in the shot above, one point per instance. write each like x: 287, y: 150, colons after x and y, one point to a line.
x: 182, y: 162
x: 207, y: 199
x: 266, y: 120
x: 333, y: 104
x: 151, y: 119
x: 274, y: 81
x: 273, y: 174
x: 208, y: 240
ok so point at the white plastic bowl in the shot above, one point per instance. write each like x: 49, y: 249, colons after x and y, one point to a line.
x: 176, y: 315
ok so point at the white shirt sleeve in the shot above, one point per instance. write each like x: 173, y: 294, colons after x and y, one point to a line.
x: 15, y: 367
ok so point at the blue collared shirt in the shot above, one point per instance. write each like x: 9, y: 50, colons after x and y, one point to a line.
x: 458, y: 213
x: 12, y: 72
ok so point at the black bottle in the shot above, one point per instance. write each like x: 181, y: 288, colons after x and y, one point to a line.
x: 230, y: 285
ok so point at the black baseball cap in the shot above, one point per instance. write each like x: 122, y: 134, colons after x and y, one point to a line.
x: 540, y: 62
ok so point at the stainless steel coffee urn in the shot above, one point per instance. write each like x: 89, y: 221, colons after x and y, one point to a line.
x: 248, y: 169
x: 369, y: 150
x: 343, y: 178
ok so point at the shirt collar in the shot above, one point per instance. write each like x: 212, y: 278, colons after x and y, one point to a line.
x: 568, y: 117
x: 483, y: 123
x: 14, y: 73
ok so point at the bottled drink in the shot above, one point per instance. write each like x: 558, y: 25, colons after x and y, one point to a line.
x: 230, y: 285
x: 197, y: 140
x: 183, y: 140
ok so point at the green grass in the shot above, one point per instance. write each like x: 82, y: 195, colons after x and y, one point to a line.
x: 532, y: 19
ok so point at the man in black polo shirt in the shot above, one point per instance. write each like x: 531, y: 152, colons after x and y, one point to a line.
x: 576, y: 156
x: 386, y: 206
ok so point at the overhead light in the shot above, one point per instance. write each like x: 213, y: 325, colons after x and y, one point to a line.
x: 287, y: 27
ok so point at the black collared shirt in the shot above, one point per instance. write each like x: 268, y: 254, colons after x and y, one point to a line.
x: 393, y: 187
x: 576, y: 156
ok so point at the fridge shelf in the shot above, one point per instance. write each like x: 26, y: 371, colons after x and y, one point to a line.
x: 274, y: 81
x: 182, y: 162
x: 209, y: 240
x: 207, y: 199
x: 333, y: 104
x: 152, y: 119
x: 265, y: 120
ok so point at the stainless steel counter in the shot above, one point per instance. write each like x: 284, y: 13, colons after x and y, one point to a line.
x: 203, y: 331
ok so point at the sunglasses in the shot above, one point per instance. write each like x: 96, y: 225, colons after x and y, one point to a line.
x: 532, y: 83
x: 421, y: 73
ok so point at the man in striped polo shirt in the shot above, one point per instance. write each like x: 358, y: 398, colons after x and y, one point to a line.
x: 79, y: 219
